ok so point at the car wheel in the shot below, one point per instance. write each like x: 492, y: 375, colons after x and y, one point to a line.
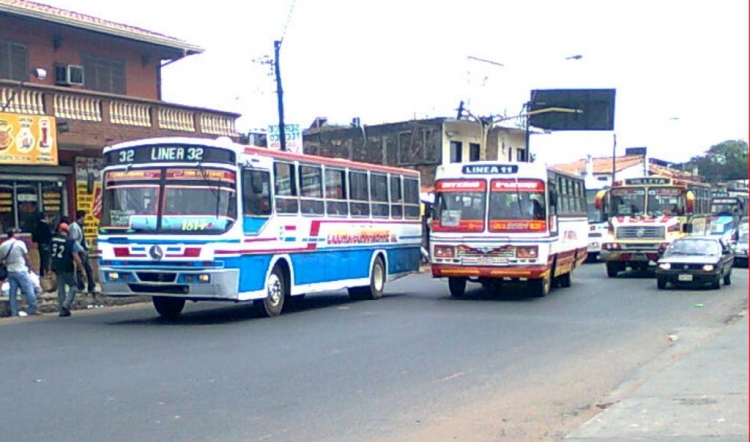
x: 716, y: 285
x: 661, y: 283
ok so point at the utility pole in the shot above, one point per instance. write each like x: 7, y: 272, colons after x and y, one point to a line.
x: 279, y: 94
x: 614, y: 158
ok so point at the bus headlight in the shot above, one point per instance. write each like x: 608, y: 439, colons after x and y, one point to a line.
x: 204, y: 278
x: 527, y: 252
x: 113, y: 276
x: 444, y: 251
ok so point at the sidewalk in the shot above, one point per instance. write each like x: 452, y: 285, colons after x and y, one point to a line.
x: 703, y: 396
x: 48, y: 302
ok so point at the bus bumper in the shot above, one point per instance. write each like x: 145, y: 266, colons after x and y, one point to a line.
x: 199, y: 284
x: 528, y: 272
x: 644, y: 256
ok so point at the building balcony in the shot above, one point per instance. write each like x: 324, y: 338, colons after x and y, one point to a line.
x: 96, y: 119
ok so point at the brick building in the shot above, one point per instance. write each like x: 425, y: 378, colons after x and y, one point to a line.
x: 69, y: 85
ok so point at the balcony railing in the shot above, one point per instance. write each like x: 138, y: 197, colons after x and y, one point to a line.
x: 154, y: 117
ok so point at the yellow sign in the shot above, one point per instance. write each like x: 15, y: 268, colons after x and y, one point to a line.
x: 28, y: 139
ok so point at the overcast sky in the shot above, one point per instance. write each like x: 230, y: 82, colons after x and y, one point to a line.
x: 680, y: 67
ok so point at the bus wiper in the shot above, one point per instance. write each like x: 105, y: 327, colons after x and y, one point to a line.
x: 518, y: 198
x: 215, y: 191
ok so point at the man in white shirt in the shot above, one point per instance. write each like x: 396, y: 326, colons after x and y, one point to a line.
x: 17, y: 260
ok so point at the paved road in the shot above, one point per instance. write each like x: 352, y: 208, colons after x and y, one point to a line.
x: 416, y: 365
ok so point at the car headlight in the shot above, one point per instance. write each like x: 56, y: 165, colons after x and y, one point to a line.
x: 665, y: 266
x: 708, y: 267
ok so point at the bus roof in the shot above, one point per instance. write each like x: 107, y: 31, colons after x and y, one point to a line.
x: 340, y: 162
x: 227, y: 143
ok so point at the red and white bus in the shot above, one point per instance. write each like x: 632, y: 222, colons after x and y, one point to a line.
x: 515, y: 222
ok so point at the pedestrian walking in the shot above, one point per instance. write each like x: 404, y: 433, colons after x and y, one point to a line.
x: 65, y: 258
x: 77, y: 235
x: 16, y: 258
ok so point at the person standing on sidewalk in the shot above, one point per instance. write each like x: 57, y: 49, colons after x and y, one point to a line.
x: 42, y: 236
x: 76, y: 234
x: 65, y: 258
x: 16, y: 258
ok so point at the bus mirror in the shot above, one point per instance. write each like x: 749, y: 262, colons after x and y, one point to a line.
x: 599, y: 200
x: 689, y: 202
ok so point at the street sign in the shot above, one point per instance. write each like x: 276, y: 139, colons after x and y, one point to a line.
x: 293, y: 138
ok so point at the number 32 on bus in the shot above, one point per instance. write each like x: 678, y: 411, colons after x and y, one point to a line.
x: 497, y: 223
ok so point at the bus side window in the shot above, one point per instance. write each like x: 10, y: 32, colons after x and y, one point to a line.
x: 256, y: 196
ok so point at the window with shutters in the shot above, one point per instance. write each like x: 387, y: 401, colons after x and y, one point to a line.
x: 14, y: 61
x: 103, y: 74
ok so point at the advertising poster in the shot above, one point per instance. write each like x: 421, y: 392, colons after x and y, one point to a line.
x: 88, y: 195
x: 28, y: 139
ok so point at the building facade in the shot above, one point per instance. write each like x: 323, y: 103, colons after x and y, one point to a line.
x: 417, y: 144
x: 71, y: 84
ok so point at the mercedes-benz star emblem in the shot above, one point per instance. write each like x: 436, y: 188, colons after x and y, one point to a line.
x: 640, y: 232
x: 156, y: 253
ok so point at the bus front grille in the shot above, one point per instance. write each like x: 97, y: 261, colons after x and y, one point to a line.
x: 640, y: 232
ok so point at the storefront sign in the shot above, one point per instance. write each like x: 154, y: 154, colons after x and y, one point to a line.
x: 28, y: 139
x: 88, y: 189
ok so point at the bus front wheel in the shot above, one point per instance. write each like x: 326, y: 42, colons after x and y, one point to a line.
x: 273, y: 303
x: 613, y: 268
x: 457, y: 286
x: 541, y: 287
x: 168, y: 308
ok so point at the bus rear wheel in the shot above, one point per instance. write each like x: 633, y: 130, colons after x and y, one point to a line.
x: 167, y: 307
x: 457, y: 286
x: 566, y: 279
x: 273, y: 303
x: 377, y: 283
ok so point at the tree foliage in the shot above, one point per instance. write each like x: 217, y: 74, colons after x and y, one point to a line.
x: 721, y: 162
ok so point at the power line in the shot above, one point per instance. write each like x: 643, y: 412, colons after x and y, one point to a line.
x: 288, y: 19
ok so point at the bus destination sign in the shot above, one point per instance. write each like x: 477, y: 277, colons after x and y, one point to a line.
x: 647, y: 181
x: 490, y: 169
x: 170, y: 154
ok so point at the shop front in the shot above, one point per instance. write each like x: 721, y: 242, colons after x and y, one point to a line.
x: 31, y: 180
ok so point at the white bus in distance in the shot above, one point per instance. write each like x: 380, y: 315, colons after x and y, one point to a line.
x: 495, y: 223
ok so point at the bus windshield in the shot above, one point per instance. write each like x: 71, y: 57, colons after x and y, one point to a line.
x: 628, y: 201
x: 173, y: 200
x: 725, y: 207
x: 594, y: 215
x: 459, y: 205
x: 666, y: 201
x: 517, y: 200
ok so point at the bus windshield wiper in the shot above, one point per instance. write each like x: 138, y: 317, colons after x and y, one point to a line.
x: 215, y: 191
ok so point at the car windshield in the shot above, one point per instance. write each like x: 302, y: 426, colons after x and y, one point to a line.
x: 698, y: 247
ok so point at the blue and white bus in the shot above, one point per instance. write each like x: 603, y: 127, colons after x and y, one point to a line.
x: 187, y: 219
